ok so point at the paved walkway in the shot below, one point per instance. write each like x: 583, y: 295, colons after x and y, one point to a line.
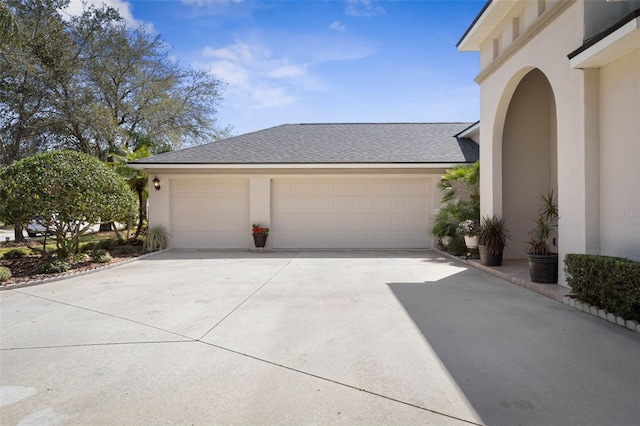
x: 352, y: 337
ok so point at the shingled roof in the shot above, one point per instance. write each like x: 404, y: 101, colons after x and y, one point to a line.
x: 334, y: 144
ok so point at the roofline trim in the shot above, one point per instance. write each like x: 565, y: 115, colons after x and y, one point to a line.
x: 279, y: 166
x: 465, y: 132
x: 598, y: 43
x: 475, y: 21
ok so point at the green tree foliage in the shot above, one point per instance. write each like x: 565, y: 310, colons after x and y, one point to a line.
x: 136, y: 179
x: 70, y: 191
x: 8, y: 24
x: 464, y: 178
x: 91, y: 82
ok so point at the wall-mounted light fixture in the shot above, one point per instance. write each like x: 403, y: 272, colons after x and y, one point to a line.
x: 156, y: 183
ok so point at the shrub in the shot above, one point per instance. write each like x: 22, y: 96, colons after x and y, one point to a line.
x: 15, y: 254
x: 128, y: 249
x: 88, y: 247
x: 54, y: 266
x: 101, y: 256
x: 107, y: 244
x: 611, y: 283
x: 456, y: 246
x: 157, y: 238
x: 5, y: 273
x: 79, y: 258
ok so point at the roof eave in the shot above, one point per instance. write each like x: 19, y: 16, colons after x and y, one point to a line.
x: 613, y: 43
x: 279, y: 166
x: 493, y: 12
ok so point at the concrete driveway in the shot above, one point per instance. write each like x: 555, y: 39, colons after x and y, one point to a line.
x: 352, y: 337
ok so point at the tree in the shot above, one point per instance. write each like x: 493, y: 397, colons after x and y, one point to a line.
x: 140, y: 89
x: 69, y: 191
x: 8, y: 24
x: 136, y: 179
x: 90, y: 82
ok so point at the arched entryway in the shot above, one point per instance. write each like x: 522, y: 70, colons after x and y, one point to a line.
x: 529, y: 157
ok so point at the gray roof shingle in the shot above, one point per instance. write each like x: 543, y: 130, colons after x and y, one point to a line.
x: 334, y: 143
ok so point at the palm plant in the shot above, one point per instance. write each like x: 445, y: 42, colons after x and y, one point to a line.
x: 546, y: 225
x: 493, y: 234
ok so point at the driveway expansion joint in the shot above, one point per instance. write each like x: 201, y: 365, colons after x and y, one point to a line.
x: 249, y: 297
x: 326, y: 379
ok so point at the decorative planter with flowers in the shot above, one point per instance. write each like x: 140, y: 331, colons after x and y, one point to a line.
x: 470, y: 229
x: 260, y: 235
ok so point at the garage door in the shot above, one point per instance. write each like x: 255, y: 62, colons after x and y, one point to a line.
x: 351, y: 213
x: 209, y: 213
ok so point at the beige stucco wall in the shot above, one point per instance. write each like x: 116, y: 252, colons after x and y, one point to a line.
x: 529, y: 165
x: 547, y: 51
x: 620, y: 157
x: 597, y: 140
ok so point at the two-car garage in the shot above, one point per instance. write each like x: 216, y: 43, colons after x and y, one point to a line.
x: 305, y: 213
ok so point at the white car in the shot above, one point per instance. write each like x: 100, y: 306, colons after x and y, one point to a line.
x: 37, y: 227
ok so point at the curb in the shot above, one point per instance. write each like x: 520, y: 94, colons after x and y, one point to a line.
x: 568, y: 300
x: 76, y: 274
x: 632, y: 325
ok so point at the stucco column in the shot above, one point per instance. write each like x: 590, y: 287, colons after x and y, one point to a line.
x: 260, y: 203
x: 159, y: 205
x: 490, y: 156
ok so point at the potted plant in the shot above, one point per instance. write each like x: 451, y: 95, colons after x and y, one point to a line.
x: 260, y: 235
x: 492, y: 239
x: 543, y: 263
x: 470, y: 229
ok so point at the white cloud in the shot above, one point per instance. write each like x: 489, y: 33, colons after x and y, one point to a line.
x: 76, y: 7
x: 363, y: 8
x: 257, y: 79
x: 337, y: 26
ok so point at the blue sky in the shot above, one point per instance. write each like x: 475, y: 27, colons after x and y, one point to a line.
x: 324, y: 61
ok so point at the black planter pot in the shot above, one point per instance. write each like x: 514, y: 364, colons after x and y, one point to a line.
x: 487, y: 259
x: 260, y: 240
x: 543, y: 268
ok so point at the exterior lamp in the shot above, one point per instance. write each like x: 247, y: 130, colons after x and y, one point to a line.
x: 156, y: 183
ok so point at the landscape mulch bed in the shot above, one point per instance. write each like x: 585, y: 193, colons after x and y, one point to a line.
x: 24, y: 269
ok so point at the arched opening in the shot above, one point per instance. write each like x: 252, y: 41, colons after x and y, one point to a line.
x: 529, y: 157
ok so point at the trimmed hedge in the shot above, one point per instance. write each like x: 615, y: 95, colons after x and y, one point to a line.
x: 611, y: 283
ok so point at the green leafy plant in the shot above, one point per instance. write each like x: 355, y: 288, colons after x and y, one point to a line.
x: 546, y: 225
x: 71, y: 190
x: 493, y: 234
x: 15, y: 254
x: 611, y: 283
x: 468, y: 227
x: 5, y: 273
x: 450, y: 215
x: 128, y: 249
x: 54, y: 266
x: 156, y: 239
x: 107, y: 244
x: 101, y: 256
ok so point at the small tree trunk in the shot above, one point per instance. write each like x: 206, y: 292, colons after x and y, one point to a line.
x: 139, y: 191
x: 17, y: 234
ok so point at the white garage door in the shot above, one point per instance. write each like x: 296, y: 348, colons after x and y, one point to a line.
x: 210, y: 213
x: 351, y: 213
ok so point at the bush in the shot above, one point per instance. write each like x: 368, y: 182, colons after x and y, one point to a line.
x: 54, y: 267
x: 101, y: 256
x: 15, y: 254
x: 107, y: 244
x: 5, y: 273
x: 157, y: 238
x: 611, y: 283
x: 457, y: 247
x: 89, y: 247
x: 128, y: 249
